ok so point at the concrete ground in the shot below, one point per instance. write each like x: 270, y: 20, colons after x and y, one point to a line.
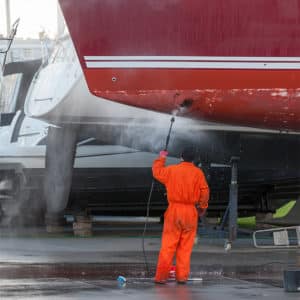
x: 212, y: 289
x: 37, y: 265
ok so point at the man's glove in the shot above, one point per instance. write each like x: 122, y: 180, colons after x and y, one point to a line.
x: 163, y: 153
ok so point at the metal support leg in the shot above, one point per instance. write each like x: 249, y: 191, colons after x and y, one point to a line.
x: 225, y: 217
x: 233, y: 204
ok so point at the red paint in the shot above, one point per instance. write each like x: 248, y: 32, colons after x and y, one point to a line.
x: 184, y: 27
x: 256, y: 28
x: 169, y: 79
x: 238, y: 107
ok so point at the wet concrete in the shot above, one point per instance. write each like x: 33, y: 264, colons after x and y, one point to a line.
x: 62, y: 288
x: 34, y: 264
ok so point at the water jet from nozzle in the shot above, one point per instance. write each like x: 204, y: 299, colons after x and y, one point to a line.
x: 183, y: 107
x: 175, y: 112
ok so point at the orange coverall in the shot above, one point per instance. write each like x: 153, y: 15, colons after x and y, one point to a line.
x: 186, y: 186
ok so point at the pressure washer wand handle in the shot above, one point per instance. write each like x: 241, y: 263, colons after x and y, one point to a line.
x: 169, y: 133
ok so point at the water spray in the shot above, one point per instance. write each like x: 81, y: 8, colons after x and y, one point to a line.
x: 181, y: 109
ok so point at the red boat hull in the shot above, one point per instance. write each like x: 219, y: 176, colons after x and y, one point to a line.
x: 239, y: 61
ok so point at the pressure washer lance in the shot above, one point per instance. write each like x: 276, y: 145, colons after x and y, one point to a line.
x: 169, y: 133
x: 150, y: 195
x: 182, y: 108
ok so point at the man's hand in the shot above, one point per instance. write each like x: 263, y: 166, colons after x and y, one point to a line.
x: 163, y: 153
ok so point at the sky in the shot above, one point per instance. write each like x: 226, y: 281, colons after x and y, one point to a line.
x: 35, y: 16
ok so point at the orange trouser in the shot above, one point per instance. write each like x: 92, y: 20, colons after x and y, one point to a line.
x: 180, y: 226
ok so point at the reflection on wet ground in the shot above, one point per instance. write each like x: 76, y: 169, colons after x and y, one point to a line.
x: 34, y: 265
x: 214, y: 288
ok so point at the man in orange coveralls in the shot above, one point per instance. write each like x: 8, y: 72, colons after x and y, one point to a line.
x: 186, y: 189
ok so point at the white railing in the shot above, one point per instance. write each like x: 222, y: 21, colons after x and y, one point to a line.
x: 283, y: 237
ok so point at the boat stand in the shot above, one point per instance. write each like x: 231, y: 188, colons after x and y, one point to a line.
x: 231, y: 213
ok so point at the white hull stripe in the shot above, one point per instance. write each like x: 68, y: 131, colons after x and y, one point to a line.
x: 193, y: 58
x: 190, y: 65
x: 192, y: 62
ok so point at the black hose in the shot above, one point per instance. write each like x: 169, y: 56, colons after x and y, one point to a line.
x: 149, y: 200
x: 145, y: 226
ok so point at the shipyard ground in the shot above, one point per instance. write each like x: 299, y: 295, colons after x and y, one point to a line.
x: 38, y: 265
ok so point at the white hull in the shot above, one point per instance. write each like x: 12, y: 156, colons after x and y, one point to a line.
x: 88, y: 157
